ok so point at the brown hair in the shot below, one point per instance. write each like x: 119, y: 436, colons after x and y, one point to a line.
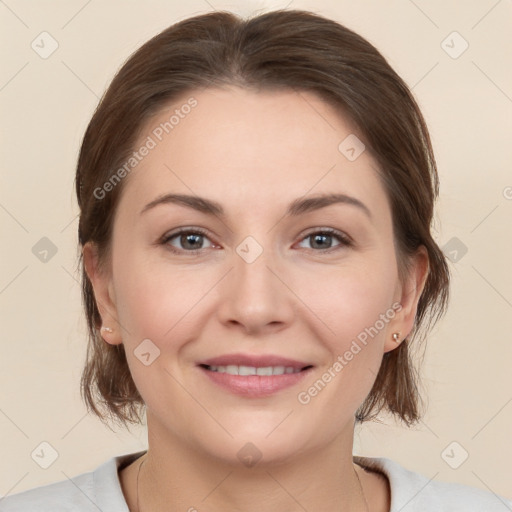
x: 283, y: 49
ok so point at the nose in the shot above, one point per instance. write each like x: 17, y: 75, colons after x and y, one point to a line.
x: 256, y: 296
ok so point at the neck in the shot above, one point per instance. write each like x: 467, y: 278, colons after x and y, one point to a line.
x: 176, y: 477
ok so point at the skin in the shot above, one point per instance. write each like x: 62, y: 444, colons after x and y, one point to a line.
x: 254, y: 153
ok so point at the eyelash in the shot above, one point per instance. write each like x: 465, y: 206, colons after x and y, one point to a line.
x: 344, y: 240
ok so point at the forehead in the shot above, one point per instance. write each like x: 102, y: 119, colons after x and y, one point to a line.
x: 242, y: 147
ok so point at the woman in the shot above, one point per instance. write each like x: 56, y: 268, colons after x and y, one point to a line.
x: 256, y: 199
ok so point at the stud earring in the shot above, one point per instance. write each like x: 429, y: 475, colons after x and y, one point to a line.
x: 396, y: 337
x: 108, y: 329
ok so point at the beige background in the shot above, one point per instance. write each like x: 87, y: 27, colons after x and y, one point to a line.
x: 45, y: 107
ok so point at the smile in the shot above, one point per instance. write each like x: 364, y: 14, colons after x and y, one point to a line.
x: 252, y: 370
x: 254, y: 382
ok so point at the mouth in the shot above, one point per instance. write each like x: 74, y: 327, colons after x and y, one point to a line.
x: 243, y: 370
x: 254, y: 376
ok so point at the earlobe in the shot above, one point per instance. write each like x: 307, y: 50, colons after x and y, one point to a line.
x: 103, y: 294
x: 393, y: 341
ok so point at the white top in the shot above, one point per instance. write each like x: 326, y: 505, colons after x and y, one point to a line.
x: 100, y: 490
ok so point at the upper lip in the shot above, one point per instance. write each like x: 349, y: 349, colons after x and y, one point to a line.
x: 257, y: 361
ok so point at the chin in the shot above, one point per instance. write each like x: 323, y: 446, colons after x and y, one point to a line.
x: 255, y: 448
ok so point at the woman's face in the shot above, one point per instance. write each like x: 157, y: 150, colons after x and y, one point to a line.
x: 262, y: 278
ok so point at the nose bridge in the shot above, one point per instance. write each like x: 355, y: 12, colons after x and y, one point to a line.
x: 252, y: 274
x: 254, y: 296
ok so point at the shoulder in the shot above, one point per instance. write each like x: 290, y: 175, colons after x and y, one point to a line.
x: 414, y: 492
x: 67, y: 495
x: 99, y: 489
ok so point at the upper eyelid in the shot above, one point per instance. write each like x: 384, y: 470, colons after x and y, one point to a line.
x: 332, y: 231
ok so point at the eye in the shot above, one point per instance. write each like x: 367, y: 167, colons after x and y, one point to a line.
x: 190, y: 240
x: 323, y: 238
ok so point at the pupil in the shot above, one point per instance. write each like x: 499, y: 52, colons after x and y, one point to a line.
x: 323, y: 237
x: 187, y: 238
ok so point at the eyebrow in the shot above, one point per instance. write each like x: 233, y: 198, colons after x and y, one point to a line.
x: 297, y: 207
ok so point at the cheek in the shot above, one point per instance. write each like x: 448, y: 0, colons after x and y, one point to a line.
x: 350, y: 299
x: 154, y: 304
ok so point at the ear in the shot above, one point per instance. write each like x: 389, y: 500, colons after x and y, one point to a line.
x: 101, y: 281
x: 408, y: 295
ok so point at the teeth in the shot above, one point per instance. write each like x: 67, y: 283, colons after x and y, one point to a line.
x: 251, y: 370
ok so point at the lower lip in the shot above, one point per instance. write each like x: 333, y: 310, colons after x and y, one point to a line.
x: 255, y: 385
